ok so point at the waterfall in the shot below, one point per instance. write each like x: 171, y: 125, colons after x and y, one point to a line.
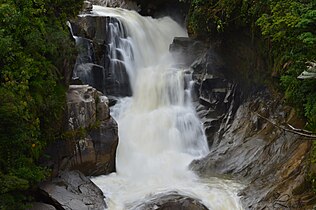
x: 159, y: 131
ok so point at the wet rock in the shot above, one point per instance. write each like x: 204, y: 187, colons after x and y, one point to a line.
x: 72, y: 190
x: 218, y: 98
x: 268, y: 159
x: 41, y: 206
x: 76, y: 81
x: 126, y: 4
x: 87, y: 7
x: 91, y: 74
x: 229, y: 82
x: 172, y: 201
x: 91, y: 138
x: 96, y: 38
x: 186, y: 50
x: 175, y: 9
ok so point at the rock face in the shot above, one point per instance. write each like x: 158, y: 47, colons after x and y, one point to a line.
x: 72, y: 190
x: 41, y: 206
x: 171, y: 201
x: 217, y: 98
x: 174, y: 8
x: 237, y: 112
x: 100, y: 63
x: 91, y: 138
x: 265, y: 157
x: 126, y: 4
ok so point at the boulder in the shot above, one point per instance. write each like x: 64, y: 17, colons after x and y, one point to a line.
x: 91, y: 138
x: 170, y: 201
x: 175, y: 9
x: 187, y: 50
x: 87, y: 7
x: 72, y: 190
x: 41, y: 206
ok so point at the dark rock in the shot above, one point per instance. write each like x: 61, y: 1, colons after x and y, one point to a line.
x: 175, y: 9
x: 91, y: 74
x: 72, y: 190
x: 94, y: 65
x: 229, y: 78
x: 87, y: 7
x: 91, y: 138
x: 76, y: 81
x: 171, y: 201
x: 267, y: 158
x: 126, y: 4
x: 86, y: 51
x: 186, y: 50
x: 41, y: 206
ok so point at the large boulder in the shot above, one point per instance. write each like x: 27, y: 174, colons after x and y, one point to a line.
x: 91, y: 137
x: 41, y: 206
x: 169, y: 201
x: 175, y: 9
x: 72, y: 191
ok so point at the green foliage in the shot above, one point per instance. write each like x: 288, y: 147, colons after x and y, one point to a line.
x: 289, y: 28
x: 34, y: 47
x: 213, y: 17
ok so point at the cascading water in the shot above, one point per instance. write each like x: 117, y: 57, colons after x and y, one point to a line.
x: 159, y: 131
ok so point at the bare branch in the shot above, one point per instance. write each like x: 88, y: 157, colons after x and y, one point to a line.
x: 292, y: 130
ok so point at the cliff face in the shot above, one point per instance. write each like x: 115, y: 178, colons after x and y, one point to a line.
x: 242, y: 120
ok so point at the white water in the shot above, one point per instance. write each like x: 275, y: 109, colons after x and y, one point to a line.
x: 159, y: 131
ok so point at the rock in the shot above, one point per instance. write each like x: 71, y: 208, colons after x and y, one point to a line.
x: 267, y: 158
x: 187, y: 48
x: 171, y: 201
x: 229, y: 82
x: 95, y: 65
x: 41, y: 206
x: 91, y: 74
x: 87, y: 7
x: 72, y: 190
x: 126, y: 4
x: 91, y: 138
x: 75, y: 81
x: 175, y: 9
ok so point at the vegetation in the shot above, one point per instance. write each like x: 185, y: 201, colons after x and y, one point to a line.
x: 289, y: 29
x: 35, y: 49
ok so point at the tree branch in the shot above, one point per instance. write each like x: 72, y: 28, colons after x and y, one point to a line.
x: 292, y: 130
